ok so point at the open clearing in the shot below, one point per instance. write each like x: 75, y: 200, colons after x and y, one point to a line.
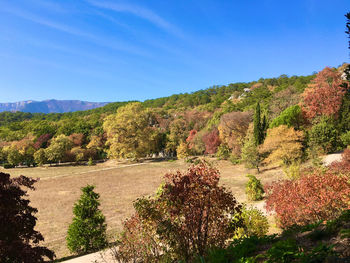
x: 118, y: 184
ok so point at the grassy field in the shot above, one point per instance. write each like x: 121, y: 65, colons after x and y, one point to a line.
x: 118, y: 184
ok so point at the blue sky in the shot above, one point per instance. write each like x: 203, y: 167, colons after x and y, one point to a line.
x: 111, y: 50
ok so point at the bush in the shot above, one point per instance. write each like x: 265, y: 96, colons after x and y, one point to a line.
x: 342, y: 166
x: 292, y: 171
x: 345, y: 138
x: 313, y: 197
x: 223, y: 152
x: 90, y: 162
x: 254, y: 189
x: 87, y: 233
x: 190, y: 214
x: 8, y: 166
x: 137, y: 241
x: 254, y: 223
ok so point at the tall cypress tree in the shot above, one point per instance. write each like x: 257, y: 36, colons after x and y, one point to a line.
x: 87, y: 233
x: 258, y: 129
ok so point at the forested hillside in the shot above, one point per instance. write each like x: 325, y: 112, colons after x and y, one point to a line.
x: 217, y: 120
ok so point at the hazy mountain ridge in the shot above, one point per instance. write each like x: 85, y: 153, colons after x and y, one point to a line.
x: 50, y: 106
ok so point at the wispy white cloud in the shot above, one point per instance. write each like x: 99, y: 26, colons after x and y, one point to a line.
x: 108, y: 43
x: 141, y: 12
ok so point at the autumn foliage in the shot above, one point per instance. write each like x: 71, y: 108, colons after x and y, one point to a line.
x: 283, y: 145
x: 233, y: 128
x: 190, y: 214
x: 342, y: 166
x: 324, y: 95
x: 19, y: 242
x: 211, y: 141
x: 313, y: 197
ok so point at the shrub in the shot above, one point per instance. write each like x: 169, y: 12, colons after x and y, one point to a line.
x: 313, y: 197
x: 342, y: 166
x: 8, y: 166
x: 190, y: 214
x: 87, y: 233
x: 138, y: 241
x: 254, y: 223
x: 90, y: 162
x: 223, y: 152
x: 254, y: 189
x: 345, y: 138
x: 19, y: 242
x: 292, y: 171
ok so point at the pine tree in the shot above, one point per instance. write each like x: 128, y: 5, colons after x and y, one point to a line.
x: 87, y: 233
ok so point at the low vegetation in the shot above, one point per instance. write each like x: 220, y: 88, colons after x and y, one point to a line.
x: 286, y: 122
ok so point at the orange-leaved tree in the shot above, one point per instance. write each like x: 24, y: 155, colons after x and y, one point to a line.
x: 233, y: 128
x: 324, y: 95
x: 283, y: 144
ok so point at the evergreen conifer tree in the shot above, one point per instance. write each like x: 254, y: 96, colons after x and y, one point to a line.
x: 258, y: 126
x: 87, y: 233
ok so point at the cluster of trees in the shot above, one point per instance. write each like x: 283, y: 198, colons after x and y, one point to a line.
x: 203, y: 122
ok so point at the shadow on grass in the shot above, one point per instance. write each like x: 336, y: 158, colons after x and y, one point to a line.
x: 66, y: 258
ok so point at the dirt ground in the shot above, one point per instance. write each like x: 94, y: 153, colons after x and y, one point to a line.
x: 118, y: 185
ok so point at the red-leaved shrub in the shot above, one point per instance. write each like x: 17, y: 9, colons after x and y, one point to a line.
x: 311, y: 198
x: 190, y: 214
x: 342, y: 166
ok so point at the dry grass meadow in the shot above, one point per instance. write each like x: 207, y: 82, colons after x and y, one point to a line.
x: 118, y: 184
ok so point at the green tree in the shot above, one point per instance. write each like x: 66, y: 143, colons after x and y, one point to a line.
x: 14, y: 157
x: 40, y: 157
x: 258, y: 127
x: 87, y: 233
x: 129, y: 134
x: 324, y: 135
x: 58, y: 147
x: 250, y: 152
x: 292, y: 117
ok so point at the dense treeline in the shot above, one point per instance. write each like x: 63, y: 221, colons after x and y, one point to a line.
x: 217, y: 120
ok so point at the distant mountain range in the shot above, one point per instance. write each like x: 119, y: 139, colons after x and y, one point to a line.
x: 50, y: 106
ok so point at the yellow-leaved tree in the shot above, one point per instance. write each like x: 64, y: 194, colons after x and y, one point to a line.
x: 283, y: 145
x: 129, y: 134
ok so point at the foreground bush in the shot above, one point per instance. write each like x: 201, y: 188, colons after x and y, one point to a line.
x: 87, y: 233
x: 19, y: 242
x: 313, y: 197
x: 190, y: 214
x: 254, y: 223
